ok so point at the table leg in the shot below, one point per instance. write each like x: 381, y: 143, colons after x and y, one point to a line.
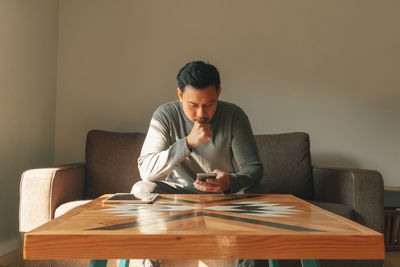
x: 123, y: 263
x: 98, y: 263
x: 310, y: 263
x: 273, y: 263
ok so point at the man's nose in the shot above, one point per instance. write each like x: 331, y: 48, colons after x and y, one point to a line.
x: 201, y: 112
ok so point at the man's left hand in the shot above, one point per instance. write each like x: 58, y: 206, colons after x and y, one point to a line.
x: 220, y: 184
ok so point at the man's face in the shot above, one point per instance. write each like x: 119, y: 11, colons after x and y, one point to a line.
x: 199, y: 104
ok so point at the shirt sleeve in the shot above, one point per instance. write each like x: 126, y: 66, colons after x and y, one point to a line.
x: 159, y: 156
x: 245, y: 152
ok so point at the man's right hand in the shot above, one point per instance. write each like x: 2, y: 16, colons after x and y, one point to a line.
x: 199, y: 134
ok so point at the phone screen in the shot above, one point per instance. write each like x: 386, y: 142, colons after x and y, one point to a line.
x: 204, y: 176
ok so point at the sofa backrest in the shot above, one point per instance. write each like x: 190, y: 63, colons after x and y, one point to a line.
x: 111, y: 163
x: 287, y: 164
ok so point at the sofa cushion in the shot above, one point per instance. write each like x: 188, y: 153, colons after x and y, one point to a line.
x: 287, y: 164
x: 111, y: 162
x: 336, y: 208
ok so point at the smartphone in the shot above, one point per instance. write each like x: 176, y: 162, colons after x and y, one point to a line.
x: 127, y: 198
x: 204, y: 176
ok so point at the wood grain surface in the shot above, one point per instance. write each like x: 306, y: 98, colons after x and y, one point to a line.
x: 204, y: 226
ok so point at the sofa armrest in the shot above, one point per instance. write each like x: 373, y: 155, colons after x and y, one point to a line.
x: 360, y: 189
x: 43, y: 190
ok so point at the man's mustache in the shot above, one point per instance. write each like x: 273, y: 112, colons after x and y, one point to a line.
x: 202, y: 119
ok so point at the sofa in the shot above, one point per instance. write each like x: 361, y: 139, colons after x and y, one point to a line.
x: 111, y: 166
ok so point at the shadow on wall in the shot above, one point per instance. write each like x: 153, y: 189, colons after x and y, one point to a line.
x: 334, y: 160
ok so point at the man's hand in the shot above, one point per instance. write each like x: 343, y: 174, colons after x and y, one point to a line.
x: 199, y: 134
x: 220, y: 184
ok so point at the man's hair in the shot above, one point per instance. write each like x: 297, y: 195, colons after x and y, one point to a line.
x: 199, y: 75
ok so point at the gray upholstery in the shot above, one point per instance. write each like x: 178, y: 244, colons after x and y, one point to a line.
x: 111, y: 166
x: 287, y: 164
x: 111, y: 162
x: 339, y: 209
x: 362, y: 190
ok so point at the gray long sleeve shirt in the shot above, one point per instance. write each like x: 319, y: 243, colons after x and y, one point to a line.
x: 165, y: 154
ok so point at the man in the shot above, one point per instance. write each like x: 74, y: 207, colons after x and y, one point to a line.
x: 198, y: 134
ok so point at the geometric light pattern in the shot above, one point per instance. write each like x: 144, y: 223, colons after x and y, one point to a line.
x: 136, y: 210
x: 254, y: 208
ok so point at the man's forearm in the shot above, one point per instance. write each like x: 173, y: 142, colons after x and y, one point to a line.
x: 156, y: 165
x: 246, y: 177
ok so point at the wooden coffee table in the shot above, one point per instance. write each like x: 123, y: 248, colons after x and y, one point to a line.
x: 204, y: 226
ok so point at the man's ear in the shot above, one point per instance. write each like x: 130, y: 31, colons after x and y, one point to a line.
x: 180, y: 94
x: 219, y: 91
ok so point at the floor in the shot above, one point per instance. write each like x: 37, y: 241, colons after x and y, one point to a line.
x: 392, y: 259
x: 11, y: 259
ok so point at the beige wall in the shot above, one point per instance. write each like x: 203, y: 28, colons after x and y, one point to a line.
x: 28, y: 50
x: 329, y: 68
